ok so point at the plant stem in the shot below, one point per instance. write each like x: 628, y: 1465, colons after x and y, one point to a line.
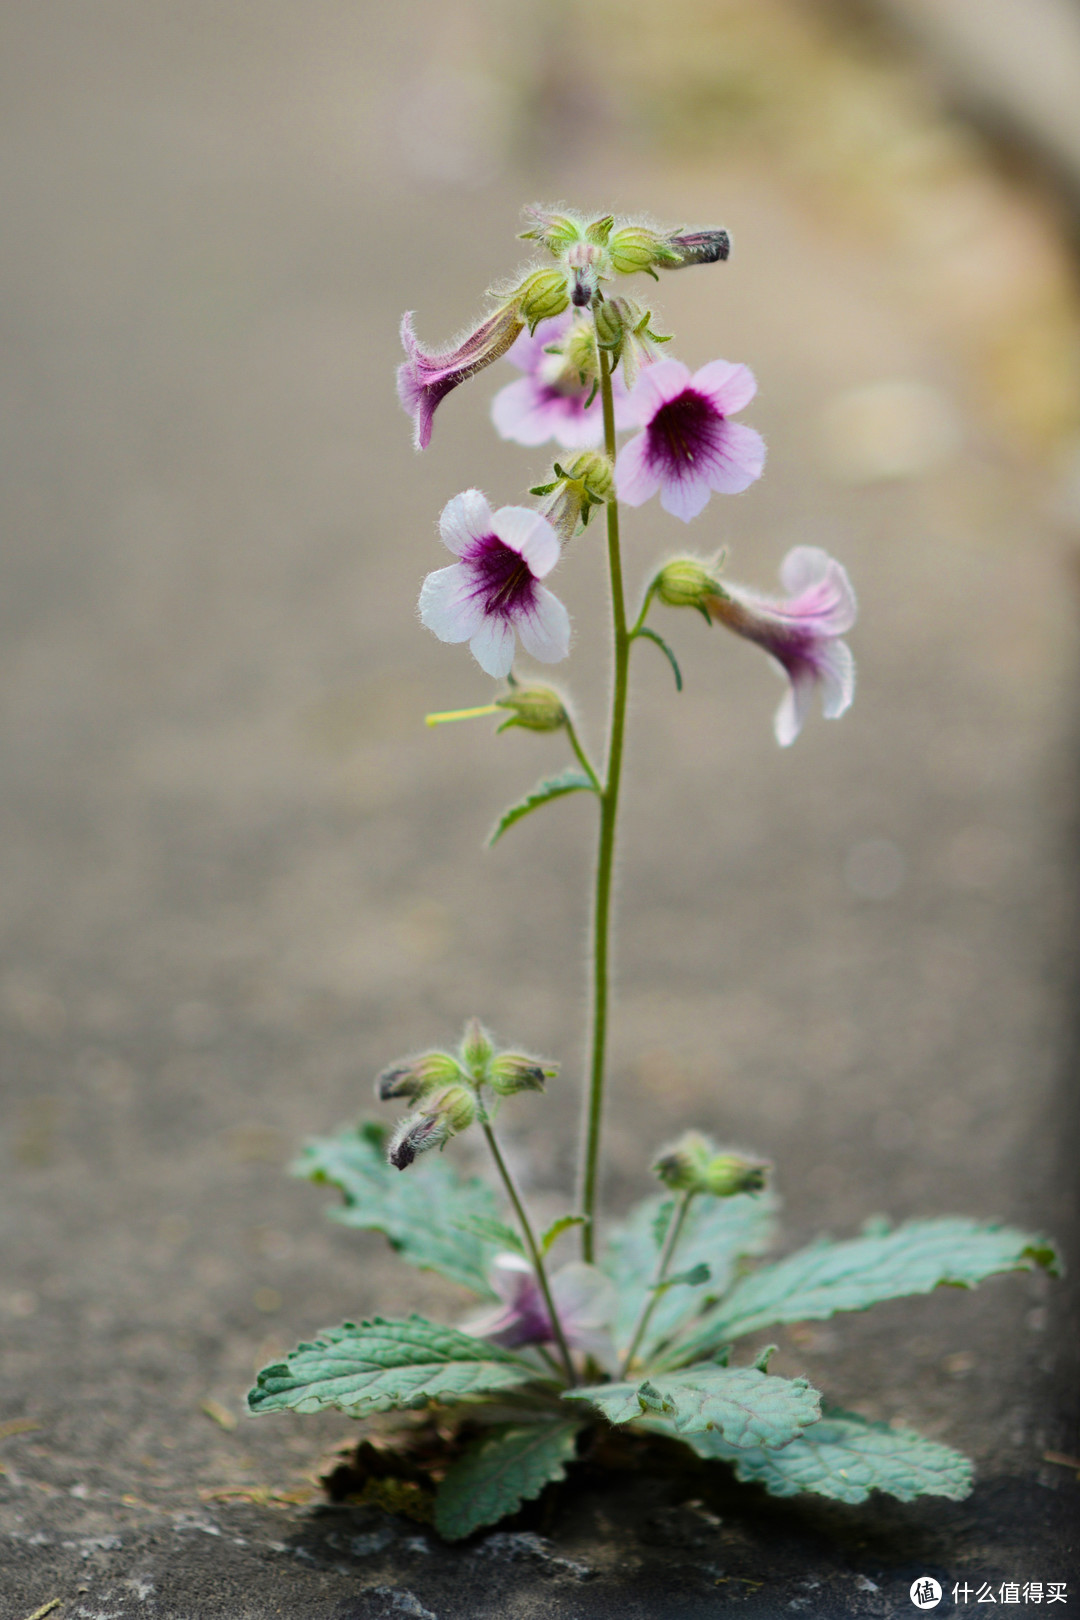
x: 674, y: 1232
x: 605, y: 859
x: 582, y: 757
x: 534, y: 1252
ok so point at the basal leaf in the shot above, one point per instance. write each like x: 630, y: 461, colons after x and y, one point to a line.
x: 553, y: 787
x: 499, y: 1472
x: 717, y: 1233
x: 846, y: 1457
x: 746, y: 1406
x: 376, y: 1366
x: 416, y: 1210
x: 850, y: 1276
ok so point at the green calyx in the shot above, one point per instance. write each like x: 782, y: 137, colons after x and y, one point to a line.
x: 693, y: 1165
x: 535, y: 708
x: 688, y: 582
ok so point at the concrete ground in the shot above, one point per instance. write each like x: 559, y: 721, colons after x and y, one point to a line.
x: 239, y: 876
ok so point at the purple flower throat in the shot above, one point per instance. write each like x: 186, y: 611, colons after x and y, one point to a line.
x: 684, y: 431
x: 502, y: 578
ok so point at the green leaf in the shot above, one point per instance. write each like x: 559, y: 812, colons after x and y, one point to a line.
x: 380, y: 1365
x: 491, y: 1231
x: 746, y: 1406
x: 416, y: 1210
x: 846, y: 1457
x: 552, y: 787
x: 717, y: 1232
x: 557, y: 1228
x: 694, y: 1277
x: 499, y: 1472
x: 830, y: 1277
x: 651, y: 635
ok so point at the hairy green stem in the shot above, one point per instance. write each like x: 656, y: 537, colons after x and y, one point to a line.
x: 605, y: 858
x: 534, y: 1252
x: 582, y: 756
x: 674, y: 1232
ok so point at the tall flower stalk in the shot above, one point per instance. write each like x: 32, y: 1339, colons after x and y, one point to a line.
x: 638, y: 1331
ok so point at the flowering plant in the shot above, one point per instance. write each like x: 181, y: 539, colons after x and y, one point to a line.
x: 658, y: 1324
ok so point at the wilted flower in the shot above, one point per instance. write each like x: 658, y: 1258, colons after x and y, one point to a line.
x: 557, y: 397
x: 584, y: 1298
x: 801, y: 634
x: 443, y: 1114
x: 425, y: 378
x: 512, y: 1072
x: 412, y: 1077
x: 493, y: 593
x: 689, y: 446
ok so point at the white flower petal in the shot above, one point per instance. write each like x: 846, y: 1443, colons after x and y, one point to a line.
x: 738, y: 459
x: 465, y: 519
x: 803, y: 568
x: 545, y: 630
x: 687, y: 496
x: 635, y: 479
x: 530, y: 535
x: 837, y: 668
x: 493, y: 647
x: 448, y: 606
x: 729, y: 386
x: 794, y: 706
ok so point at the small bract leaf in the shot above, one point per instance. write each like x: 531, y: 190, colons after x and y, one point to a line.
x: 496, y: 1474
x: 557, y: 1228
x: 414, y: 1212
x: 829, y: 1277
x: 846, y: 1457
x: 381, y: 1365
x: 744, y: 1405
x: 552, y: 787
x: 694, y: 1277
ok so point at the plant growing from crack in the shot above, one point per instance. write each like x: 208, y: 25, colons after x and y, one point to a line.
x: 659, y: 1324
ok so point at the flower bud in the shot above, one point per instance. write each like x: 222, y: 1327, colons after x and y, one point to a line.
x: 587, y: 482
x: 476, y: 1050
x: 542, y: 295
x: 445, y: 1113
x: 556, y: 232
x: 696, y: 247
x: 536, y: 708
x: 693, y: 1165
x: 636, y: 247
x: 412, y: 1077
x: 512, y: 1072
x: 686, y: 582
x: 611, y: 324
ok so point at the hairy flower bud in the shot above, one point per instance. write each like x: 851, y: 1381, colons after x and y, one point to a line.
x: 696, y: 247
x: 585, y: 260
x: 586, y: 482
x: 693, y: 1165
x: 556, y: 232
x: 637, y: 247
x: 476, y: 1050
x: 512, y: 1072
x: 413, y: 1077
x: 541, y: 296
x: 445, y: 1113
x: 687, y: 582
x: 535, y: 708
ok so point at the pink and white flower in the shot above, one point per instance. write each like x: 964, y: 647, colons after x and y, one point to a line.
x: 689, y: 446
x: 584, y: 1298
x: 801, y: 633
x: 425, y: 378
x: 493, y: 593
x: 550, y: 400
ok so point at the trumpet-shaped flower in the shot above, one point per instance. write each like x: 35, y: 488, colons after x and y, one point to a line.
x: 801, y: 633
x: 689, y: 446
x: 550, y: 401
x: 424, y: 379
x: 584, y: 1298
x: 493, y: 593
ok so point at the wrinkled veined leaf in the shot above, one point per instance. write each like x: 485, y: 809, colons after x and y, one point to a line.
x: 415, y: 1209
x: 553, y: 787
x: 499, y: 1472
x: 368, y: 1367
x: 746, y: 1406
x: 717, y: 1232
x: 850, y: 1276
x: 846, y: 1457
x: 491, y: 1231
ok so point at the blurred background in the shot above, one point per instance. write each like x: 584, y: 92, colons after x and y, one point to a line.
x: 238, y: 874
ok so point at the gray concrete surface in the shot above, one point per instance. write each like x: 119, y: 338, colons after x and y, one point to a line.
x: 239, y: 876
